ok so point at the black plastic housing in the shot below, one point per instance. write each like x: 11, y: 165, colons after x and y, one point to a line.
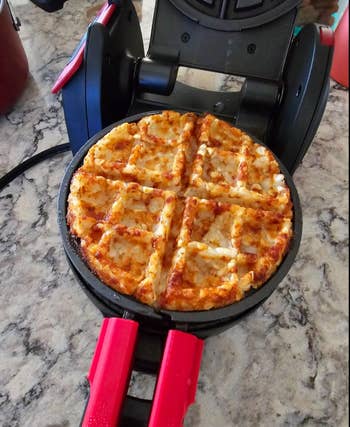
x: 305, y: 95
x: 226, y: 46
x: 49, y: 5
x: 102, y: 90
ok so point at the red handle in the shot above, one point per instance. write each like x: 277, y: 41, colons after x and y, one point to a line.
x: 110, y: 372
x: 177, y: 380
x: 340, y: 66
x: 326, y: 36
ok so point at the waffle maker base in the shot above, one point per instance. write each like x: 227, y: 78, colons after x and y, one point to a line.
x: 154, y: 325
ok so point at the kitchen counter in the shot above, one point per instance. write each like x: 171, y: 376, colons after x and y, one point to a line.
x: 284, y: 365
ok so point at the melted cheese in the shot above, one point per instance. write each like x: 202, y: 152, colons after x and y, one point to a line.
x: 181, y: 212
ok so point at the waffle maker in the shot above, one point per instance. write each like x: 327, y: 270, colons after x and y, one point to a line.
x: 109, y: 80
x: 180, y: 367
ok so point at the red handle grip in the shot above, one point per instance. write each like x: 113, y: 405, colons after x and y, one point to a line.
x: 110, y: 372
x: 177, y: 380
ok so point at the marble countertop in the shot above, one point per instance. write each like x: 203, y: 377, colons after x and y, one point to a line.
x: 284, y: 365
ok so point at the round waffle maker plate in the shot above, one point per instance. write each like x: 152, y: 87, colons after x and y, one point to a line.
x: 112, y: 303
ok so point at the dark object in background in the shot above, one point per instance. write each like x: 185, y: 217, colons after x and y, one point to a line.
x: 319, y: 11
x: 49, y: 5
x: 13, y: 60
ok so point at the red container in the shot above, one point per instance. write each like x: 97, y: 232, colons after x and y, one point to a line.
x: 340, y: 66
x: 13, y: 60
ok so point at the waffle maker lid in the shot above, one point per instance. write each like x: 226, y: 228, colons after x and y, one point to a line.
x: 286, y: 79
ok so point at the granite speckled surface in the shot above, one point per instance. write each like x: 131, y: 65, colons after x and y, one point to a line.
x: 284, y: 365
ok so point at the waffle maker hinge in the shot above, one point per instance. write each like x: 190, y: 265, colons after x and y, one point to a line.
x: 286, y: 79
x: 180, y: 38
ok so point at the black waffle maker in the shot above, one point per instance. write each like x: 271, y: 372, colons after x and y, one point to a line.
x: 281, y: 103
x: 109, y: 80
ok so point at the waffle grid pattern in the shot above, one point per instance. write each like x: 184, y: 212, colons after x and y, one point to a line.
x: 181, y: 212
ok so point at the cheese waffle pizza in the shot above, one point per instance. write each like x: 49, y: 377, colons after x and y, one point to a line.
x: 181, y: 212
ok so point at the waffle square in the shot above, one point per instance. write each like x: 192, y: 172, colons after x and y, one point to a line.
x: 90, y: 201
x: 123, y: 257
x: 170, y: 160
x: 181, y: 212
x: 216, y: 133
x: 110, y: 155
